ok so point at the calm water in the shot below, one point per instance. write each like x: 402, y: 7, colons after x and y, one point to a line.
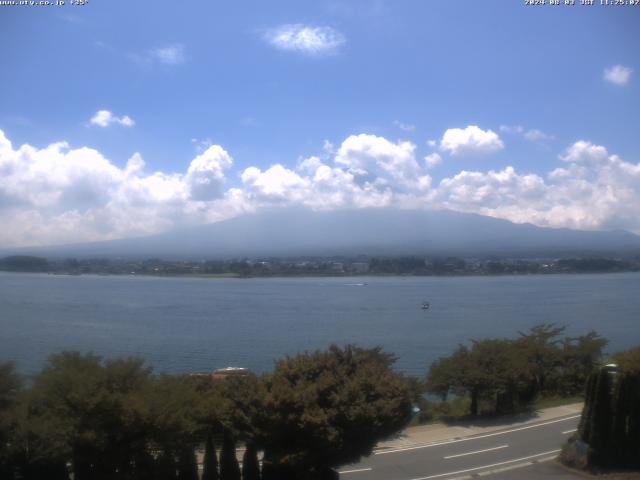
x: 181, y: 324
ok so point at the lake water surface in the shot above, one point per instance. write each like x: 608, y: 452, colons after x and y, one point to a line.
x: 198, y: 324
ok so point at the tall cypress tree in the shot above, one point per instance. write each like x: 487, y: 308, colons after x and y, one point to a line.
x: 49, y: 469
x: 269, y: 471
x: 619, y: 438
x: 633, y: 422
x: 250, y: 465
x: 587, y: 411
x: 229, y: 468
x: 187, y: 464
x: 143, y: 466
x: 210, y: 467
x: 165, y: 467
x: 600, y: 422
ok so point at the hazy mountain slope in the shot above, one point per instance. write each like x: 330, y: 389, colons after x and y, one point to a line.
x: 289, y: 232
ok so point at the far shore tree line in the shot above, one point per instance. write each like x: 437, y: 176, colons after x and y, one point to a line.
x: 329, y: 266
x: 115, y: 419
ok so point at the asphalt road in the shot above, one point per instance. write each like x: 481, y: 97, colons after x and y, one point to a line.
x: 494, y: 452
x: 537, y: 471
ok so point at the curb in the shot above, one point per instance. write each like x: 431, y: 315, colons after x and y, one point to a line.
x: 505, y: 469
x: 445, y: 440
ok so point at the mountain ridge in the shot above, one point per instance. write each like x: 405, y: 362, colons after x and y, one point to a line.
x: 371, y: 231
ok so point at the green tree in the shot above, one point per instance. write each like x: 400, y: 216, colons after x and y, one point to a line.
x: 82, y: 409
x: 584, y: 428
x: 210, y: 461
x: 626, y: 411
x: 229, y: 468
x: 610, y: 422
x: 541, y: 347
x: 10, y: 386
x: 493, y: 370
x: 250, y: 465
x: 187, y: 464
x: 166, y: 468
x: 324, y: 409
x: 600, y: 421
x: 628, y: 360
x: 443, y: 373
x: 456, y: 374
x: 170, y: 407
x: 239, y: 406
x: 578, y: 358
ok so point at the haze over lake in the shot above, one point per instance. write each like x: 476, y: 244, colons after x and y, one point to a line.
x: 196, y: 324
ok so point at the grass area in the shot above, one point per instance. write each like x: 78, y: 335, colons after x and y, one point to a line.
x: 432, y: 412
x: 458, y: 409
x: 549, y: 402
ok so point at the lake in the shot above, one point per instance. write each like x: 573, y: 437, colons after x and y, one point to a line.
x: 199, y: 324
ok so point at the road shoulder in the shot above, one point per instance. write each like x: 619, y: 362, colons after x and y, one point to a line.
x: 441, y: 432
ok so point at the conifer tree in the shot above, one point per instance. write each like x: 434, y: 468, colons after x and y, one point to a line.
x: 269, y: 471
x: 633, y: 422
x: 166, y: 467
x: 210, y: 463
x: 584, y: 427
x: 620, y: 415
x: 250, y: 465
x: 600, y: 421
x: 143, y: 466
x: 187, y: 464
x: 229, y: 468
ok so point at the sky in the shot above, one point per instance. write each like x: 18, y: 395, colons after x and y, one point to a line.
x: 121, y: 119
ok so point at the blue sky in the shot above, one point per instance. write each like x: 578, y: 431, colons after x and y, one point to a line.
x: 270, y: 83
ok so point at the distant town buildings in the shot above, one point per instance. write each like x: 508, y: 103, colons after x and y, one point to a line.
x: 318, y: 266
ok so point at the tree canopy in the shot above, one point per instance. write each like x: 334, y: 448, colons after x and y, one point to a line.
x: 328, y: 408
x: 115, y: 419
x: 512, y: 372
x: 628, y: 360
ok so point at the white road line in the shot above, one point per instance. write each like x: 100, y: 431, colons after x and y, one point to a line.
x: 477, y: 437
x: 512, y: 467
x: 570, y: 431
x: 477, y: 451
x: 486, y: 466
x: 355, y: 471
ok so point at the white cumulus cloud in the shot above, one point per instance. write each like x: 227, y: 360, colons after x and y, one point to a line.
x: 432, y: 160
x: 169, y: 55
x: 583, y: 151
x: 511, y: 128
x: 470, y: 140
x: 376, y: 160
x: 306, y: 39
x: 104, y: 118
x: 61, y: 194
x: 405, y: 127
x: 618, y: 75
x: 535, y: 135
x: 205, y: 175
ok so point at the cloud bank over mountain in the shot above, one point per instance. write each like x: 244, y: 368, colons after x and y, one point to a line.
x: 63, y: 194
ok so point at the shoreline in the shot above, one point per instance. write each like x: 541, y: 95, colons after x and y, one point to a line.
x: 232, y: 275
